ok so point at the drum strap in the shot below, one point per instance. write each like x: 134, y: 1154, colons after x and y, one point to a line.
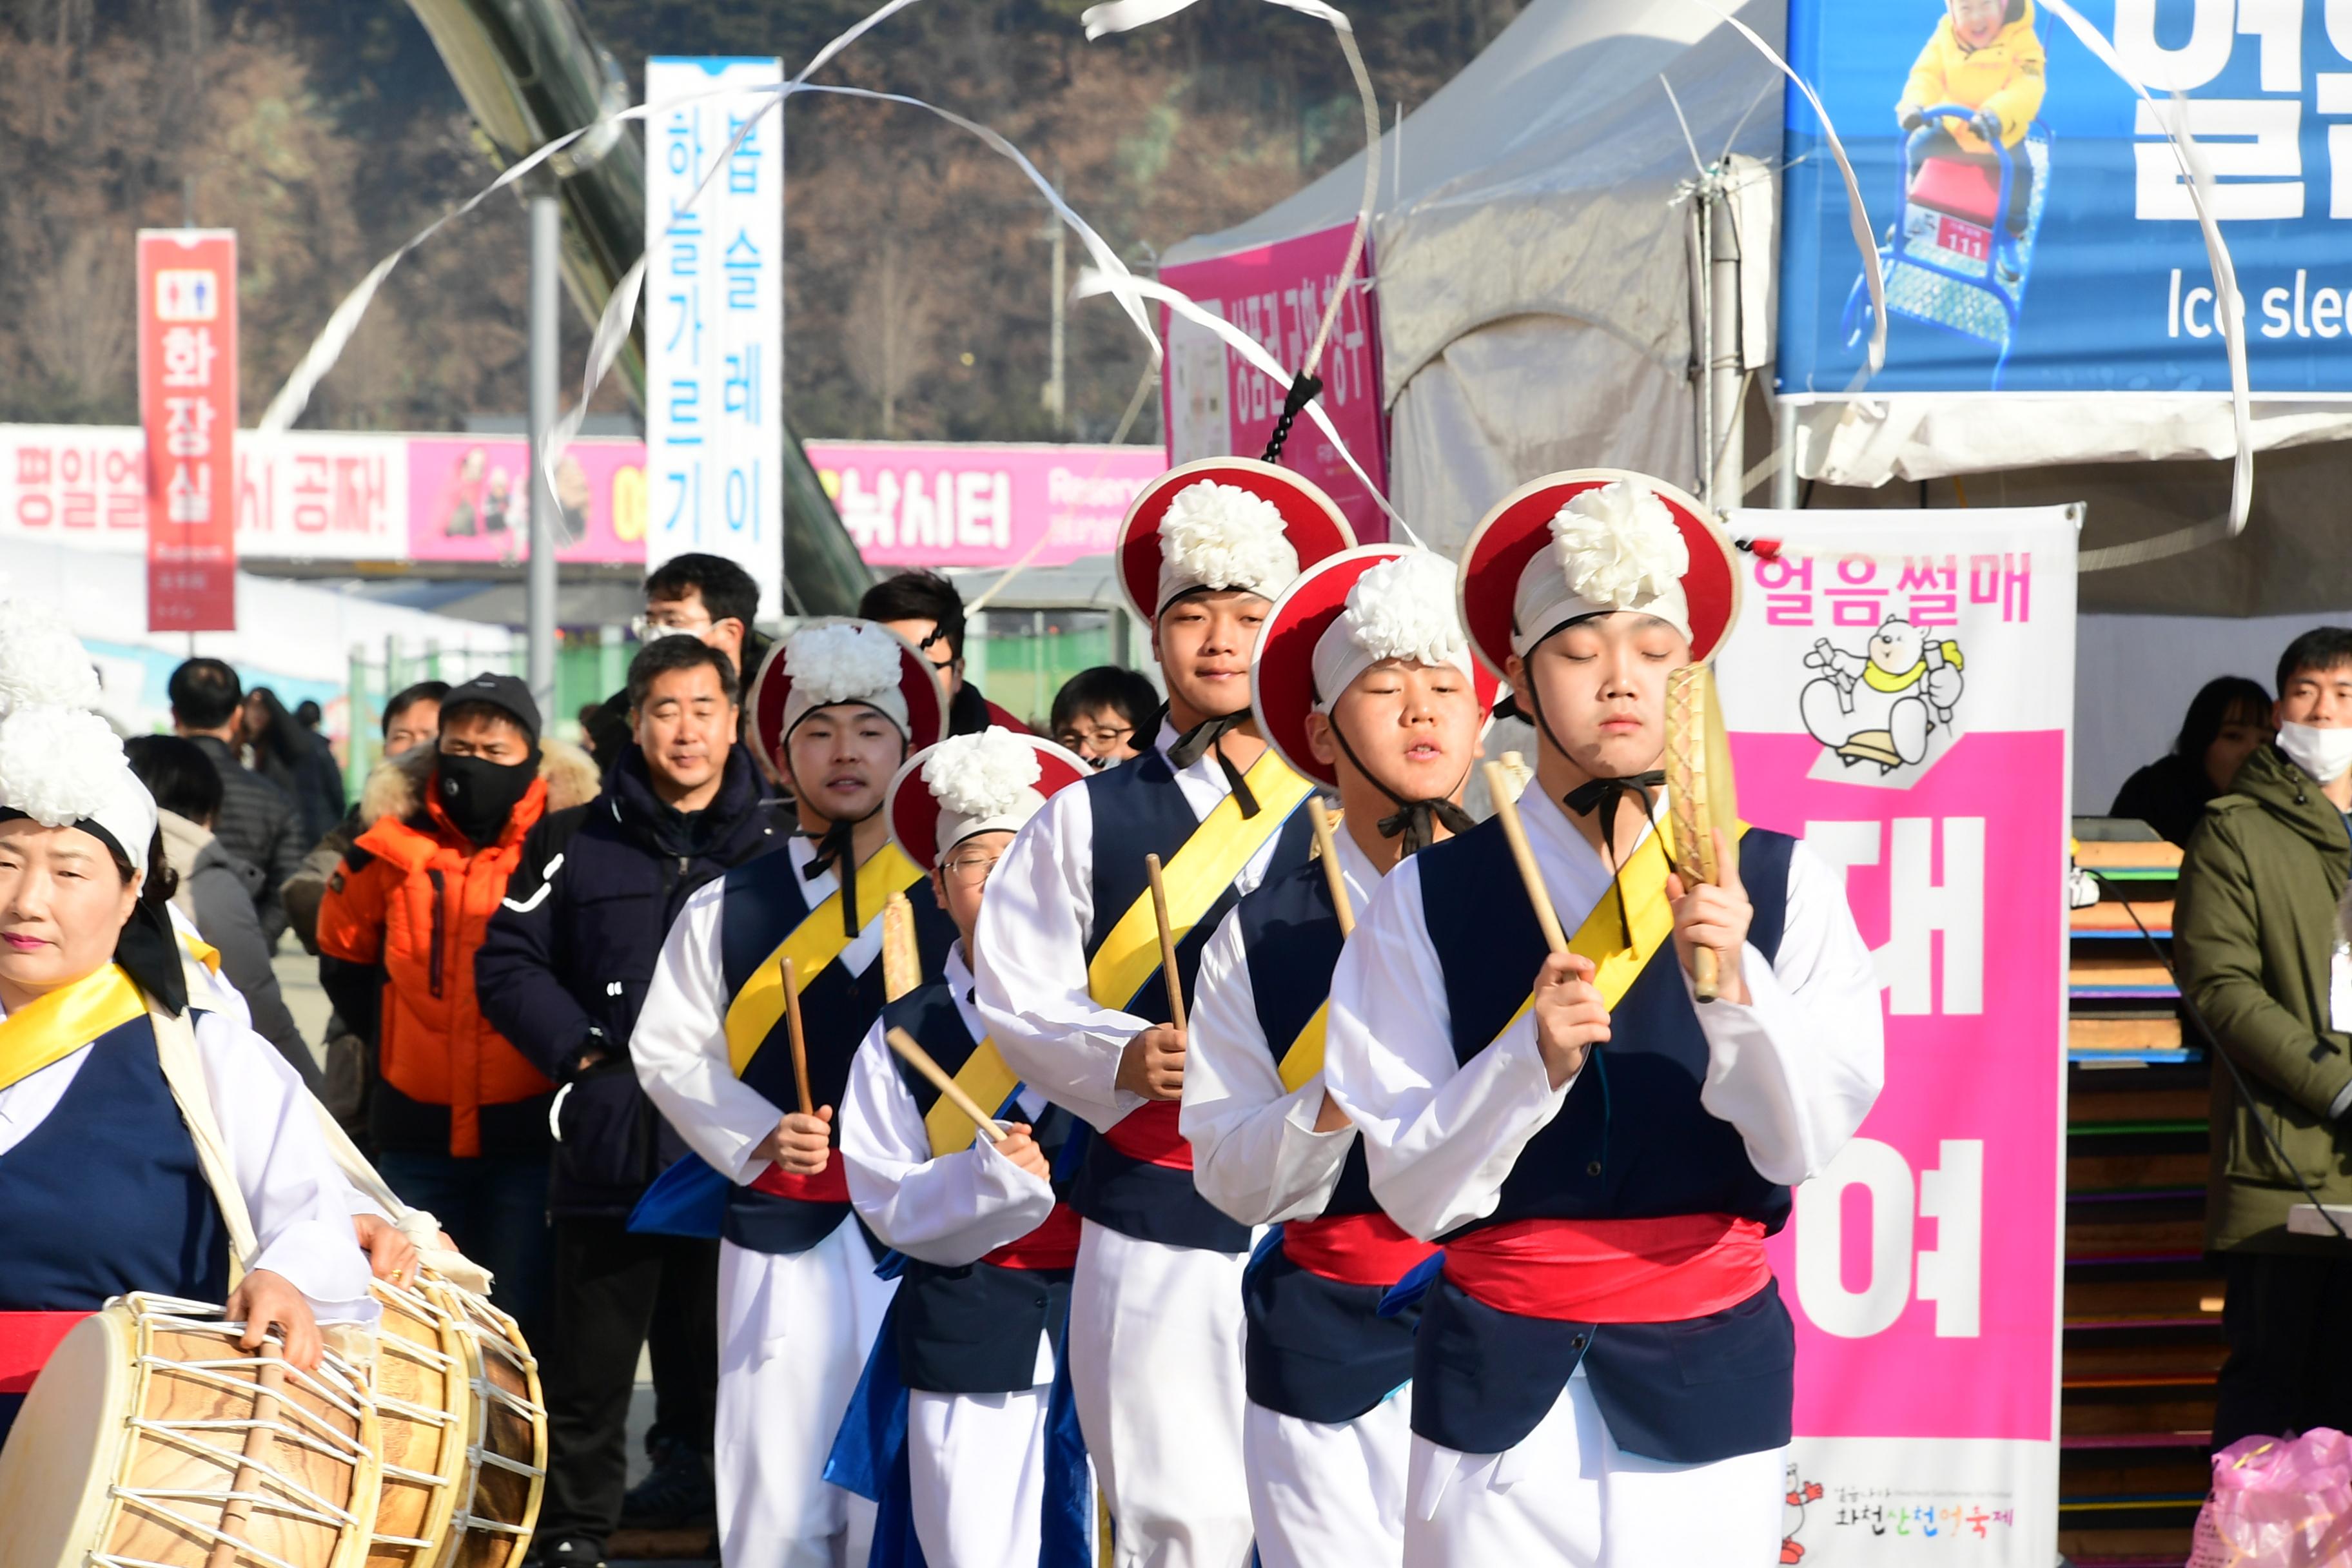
x: 183, y: 1071
x: 423, y: 1230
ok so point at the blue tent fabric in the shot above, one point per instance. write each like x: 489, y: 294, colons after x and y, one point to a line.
x: 687, y: 1199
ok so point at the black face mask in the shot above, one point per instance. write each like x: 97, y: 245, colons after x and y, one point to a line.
x: 479, y: 795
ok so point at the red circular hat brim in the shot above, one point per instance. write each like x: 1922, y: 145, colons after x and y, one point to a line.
x: 1282, y: 667
x: 1312, y: 520
x: 772, y: 689
x: 1520, y: 525
x: 914, y: 811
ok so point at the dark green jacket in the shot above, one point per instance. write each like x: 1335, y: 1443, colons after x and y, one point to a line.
x: 2254, y: 934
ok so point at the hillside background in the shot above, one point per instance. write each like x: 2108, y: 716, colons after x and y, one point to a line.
x: 325, y: 132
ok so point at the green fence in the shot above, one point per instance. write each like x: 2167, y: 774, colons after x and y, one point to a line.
x: 1020, y: 657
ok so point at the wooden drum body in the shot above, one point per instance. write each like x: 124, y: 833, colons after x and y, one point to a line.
x: 506, y: 1424
x: 423, y: 1401
x: 150, y: 1438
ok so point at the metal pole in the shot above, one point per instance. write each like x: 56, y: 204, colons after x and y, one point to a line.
x: 1784, y: 441
x: 1057, y: 389
x: 539, y: 589
x: 1726, y: 405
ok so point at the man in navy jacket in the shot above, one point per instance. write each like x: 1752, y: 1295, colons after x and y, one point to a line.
x: 561, y: 975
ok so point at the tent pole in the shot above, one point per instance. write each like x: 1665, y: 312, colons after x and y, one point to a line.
x: 1784, y: 442
x: 1727, y: 446
x: 1702, y: 424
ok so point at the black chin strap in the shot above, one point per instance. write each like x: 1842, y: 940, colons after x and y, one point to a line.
x: 836, y: 853
x: 1203, y: 737
x: 1411, y: 817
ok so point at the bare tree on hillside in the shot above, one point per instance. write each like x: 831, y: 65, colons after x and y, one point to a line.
x: 888, y: 337
x: 80, y: 319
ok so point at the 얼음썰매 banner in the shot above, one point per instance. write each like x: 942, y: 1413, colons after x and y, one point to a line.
x: 1899, y: 689
x: 187, y: 403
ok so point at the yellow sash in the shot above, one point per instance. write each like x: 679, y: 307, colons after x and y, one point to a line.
x: 1304, y: 1059
x: 1195, y: 879
x: 988, y: 1081
x: 53, y: 1027
x: 815, y: 942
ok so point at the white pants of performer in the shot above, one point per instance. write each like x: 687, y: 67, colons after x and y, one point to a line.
x: 976, y: 1465
x: 1155, y: 1348
x: 1323, y: 1494
x: 793, y: 1333
x: 1568, y: 1495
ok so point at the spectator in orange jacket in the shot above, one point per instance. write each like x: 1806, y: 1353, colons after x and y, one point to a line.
x: 458, y: 1116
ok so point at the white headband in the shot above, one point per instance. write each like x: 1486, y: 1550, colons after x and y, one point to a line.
x: 985, y: 783
x: 1403, y: 608
x: 843, y: 661
x: 1613, y: 548
x: 1222, y: 536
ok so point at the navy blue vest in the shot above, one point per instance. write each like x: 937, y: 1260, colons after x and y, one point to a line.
x: 105, y: 1197
x: 972, y: 1329
x: 1317, y: 1348
x: 1139, y: 809
x: 1632, y: 1142
x: 765, y: 902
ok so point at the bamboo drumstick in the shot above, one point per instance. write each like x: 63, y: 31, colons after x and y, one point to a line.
x: 799, y: 1041
x: 1507, y: 806
x: 951, y: 1092
x: 1167, y: 944
x: 1329, y: 851
x: 902, y: 964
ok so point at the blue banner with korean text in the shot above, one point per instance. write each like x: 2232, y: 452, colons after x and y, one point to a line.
x: 2034, y: 228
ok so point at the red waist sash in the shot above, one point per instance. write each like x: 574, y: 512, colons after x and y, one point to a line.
x: 1149, y: 1133
x: 830, y: 1186
x: 1353, y: 1249
x: 26, y: 1340
x: 1053, y: 1244
x: 1612, y: 1270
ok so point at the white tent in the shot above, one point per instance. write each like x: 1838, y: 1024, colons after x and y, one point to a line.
x: 1534, y: 302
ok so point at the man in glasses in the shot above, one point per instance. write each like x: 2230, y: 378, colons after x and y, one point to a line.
x: 925, y: 608
x: 1105, y: 714
x: 704, y: 596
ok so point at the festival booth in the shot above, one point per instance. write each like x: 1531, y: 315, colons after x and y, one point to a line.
x: 1558, y: 231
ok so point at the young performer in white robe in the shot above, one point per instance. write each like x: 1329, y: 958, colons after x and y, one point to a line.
x: 1070, y: 982
x: 836, y: 709
x: 103, y: 1188
x: 1363, y: 681
x: 984, y: 1294
x: 1603, y: 1373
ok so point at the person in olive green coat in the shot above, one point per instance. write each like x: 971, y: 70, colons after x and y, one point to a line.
x: 2257, y: 934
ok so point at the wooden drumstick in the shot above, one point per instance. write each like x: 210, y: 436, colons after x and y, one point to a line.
x: 799, y: 1041
x: 268, y: 1384
x: 902, y: 962
x: 1167, y: 944
x: 1507, y: 807
x: 949, y: 1091
x: 1325, y: 846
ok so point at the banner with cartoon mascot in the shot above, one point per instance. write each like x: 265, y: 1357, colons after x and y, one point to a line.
x: 1899, y: 689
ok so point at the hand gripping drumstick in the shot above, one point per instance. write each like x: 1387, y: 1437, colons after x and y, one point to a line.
x: 949, y: 1091
x: 799, y: 1041
x: 1167, y: 944
x: 1507, y: 806
x: 1330, y: 852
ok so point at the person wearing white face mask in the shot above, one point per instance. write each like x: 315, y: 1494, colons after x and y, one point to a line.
x: 2259, y: 940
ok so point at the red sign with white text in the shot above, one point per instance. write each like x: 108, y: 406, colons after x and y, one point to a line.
x: 187, y: 404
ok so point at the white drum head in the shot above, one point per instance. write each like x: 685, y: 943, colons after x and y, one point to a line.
x: 65, y: 1447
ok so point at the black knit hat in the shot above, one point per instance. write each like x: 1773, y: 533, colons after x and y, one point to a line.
x: 507, y: 694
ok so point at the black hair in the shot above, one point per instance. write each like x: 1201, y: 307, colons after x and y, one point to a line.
x: 308, y: 713
x: 205, y: 693
x: 727, y: 590
x: 917, y: 595
x: 2322, y: 649
x: 276, y: 737
x: 178, y: 774
x: 408, y: 697
x: 2224, y: 699
x: 677, y: 651
x: 1123, y: 691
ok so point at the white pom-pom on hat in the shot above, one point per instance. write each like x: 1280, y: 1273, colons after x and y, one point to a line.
x: 843, y: 661
x: 1613, y: 547
x: 62, y: 765
x: 42, y: 663
x: 985, y: 784
x: 1403, y: 609
x: 1221, y: 536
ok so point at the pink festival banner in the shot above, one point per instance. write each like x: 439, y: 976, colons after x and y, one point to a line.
x: 1900, y: 691
x: 910, y: 503
x: 1219, y: 407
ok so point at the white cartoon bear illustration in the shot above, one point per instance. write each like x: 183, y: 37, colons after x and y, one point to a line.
x: 1881, y: 706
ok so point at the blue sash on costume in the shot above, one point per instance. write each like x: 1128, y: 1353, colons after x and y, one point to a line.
x: 687, y: 1199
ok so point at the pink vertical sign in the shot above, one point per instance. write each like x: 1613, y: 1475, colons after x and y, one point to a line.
x: 1277, y: 293
x: 1900, y: 690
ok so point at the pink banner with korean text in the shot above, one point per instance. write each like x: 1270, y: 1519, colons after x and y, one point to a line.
x: 1899, y: 687
x: 469, y: 500
x: 912, y: 503
x: 1217, y: 405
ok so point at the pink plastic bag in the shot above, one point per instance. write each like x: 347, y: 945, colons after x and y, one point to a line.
x: 2279, y: 1503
